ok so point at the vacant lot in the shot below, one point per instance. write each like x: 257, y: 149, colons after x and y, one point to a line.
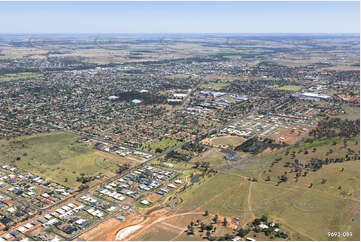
x: 174, y: 228
x: 161, y: 145
x: 58, y: 157
x: 214, y: 194
x: 305, y: 213
x: 213, y: 156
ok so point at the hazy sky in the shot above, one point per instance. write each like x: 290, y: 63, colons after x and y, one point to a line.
x: 179, y: 17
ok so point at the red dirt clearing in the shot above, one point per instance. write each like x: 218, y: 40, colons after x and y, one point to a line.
x: 290, y: 135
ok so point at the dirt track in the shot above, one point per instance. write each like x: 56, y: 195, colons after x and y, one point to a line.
x: 150, y: 222
x: 108, y: 230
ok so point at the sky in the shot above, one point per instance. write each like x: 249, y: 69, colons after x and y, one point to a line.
x: 179, y: 17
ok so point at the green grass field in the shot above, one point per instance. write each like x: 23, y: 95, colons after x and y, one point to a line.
x: 56, y: 156
x: 348, y: 179
x: 307, y: 214
x: 290, y: 88
x: 215, y: 86
x: 351, y: 112
x: 228, y: 140
x: 20, y: 76
x: 163, y: 144
x: 304, y: 213
x: 213, y: 193
x: 213, y: 156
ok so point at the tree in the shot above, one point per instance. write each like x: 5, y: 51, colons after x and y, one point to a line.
x: 227, y: 237
x: 158, y: 150
x: 264, y: 218
x: 203, y: 227
x: 225, y: 222
x: 83, y: 187
x: 190, y: 230
x: 122, y: 168
x: 209, y: 227
x: 215, y: 219
x: 242, y: 232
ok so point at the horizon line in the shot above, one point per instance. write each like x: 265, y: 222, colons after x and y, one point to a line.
x: 327, y: 33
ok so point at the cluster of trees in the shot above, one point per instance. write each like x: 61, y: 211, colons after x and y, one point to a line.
x: 203, y: 164
x: 83, y: 187
x: 282, y: 178
x: 147, y: 98
x: 314, y: 164
x: 258, y: 221
x: 202, y: 227
x: 194, y: 147
x: 270, y: 231
x: 178, y: 156
x: 85, y: 179
x: 210, y: 228
x: 255, y: 146
x: 123, y: 168
x: 336, y: 127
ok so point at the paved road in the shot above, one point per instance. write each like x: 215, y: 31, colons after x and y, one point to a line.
x: 102, y: 140
x: 133, y: 168
x: 16, y: 199
x: 108, y: 180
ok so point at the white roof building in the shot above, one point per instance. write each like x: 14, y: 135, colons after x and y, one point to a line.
x: 171, y: 186
x: 144, y: 202
x: 21, y: 229
x: 263, y: 226
x: 112, y: 98
x: 28, y: 225
x: 314, y: 95
x: 180, y: 95
x: 136, y: 101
